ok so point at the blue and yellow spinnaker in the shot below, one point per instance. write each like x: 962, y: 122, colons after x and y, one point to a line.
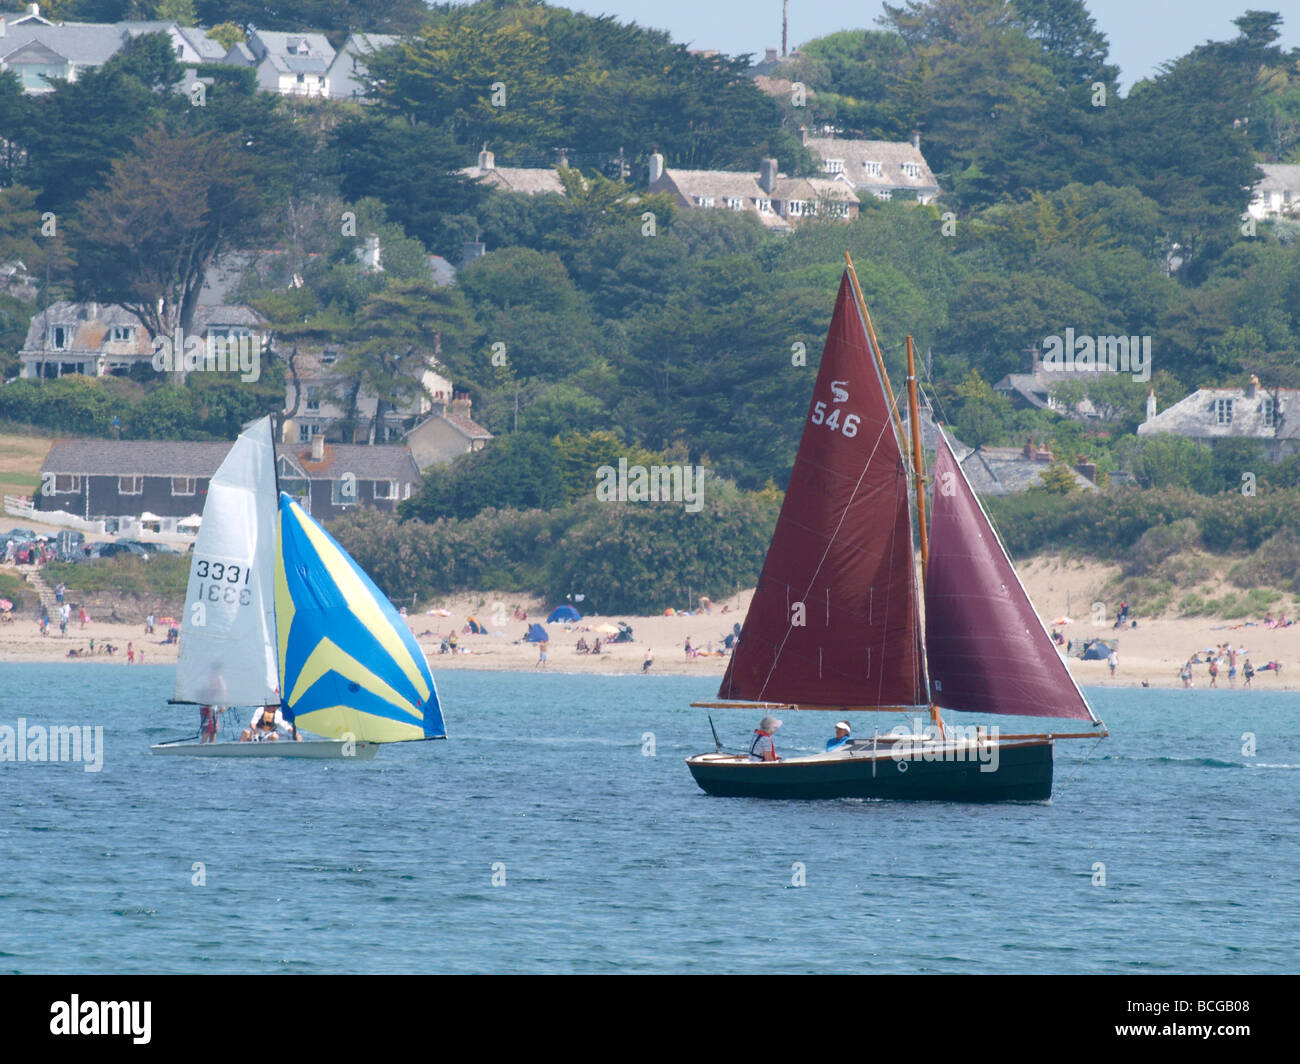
x: 348, y: 662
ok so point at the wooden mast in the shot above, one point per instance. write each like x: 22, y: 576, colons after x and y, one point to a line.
x: 875, y: 350
x: 918, y: 478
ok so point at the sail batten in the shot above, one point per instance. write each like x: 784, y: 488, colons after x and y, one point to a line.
x: 843, y: 536
x: 987, y: 649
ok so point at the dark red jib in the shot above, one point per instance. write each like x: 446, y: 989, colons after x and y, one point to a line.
x: 986, y: 648
x: 834, y: 619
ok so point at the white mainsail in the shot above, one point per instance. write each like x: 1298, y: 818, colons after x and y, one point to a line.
x: 228, y: 647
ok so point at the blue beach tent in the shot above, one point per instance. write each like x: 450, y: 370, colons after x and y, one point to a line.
x: 563, y: 613
x: 537, y: 634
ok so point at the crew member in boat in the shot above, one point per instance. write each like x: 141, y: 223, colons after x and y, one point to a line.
x: 266, y: 726
x: 763, y: 748
x: 842, y: 730
x: 207, y: 724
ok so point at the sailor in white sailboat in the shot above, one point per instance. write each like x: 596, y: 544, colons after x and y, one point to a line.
x: 266, y: 726
x: 842, y: 730
x: 763, y: 748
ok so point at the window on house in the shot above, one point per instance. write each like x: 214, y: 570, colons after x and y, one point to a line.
x: 313, y: 400
x: 883, y: 194
x: 1267, y: 413
x: 911, y: 170
x: 1223, y: 411
x: 329, y: 358
x: 837, y: 210
x: 873, y: 169
x: 765, y: 206
x: 343, y: 492
x: 306, y: 432
x: 121, y: 334
x: 795, y: 208
x: 385, y: 489
x: 66, y: 484
x: 704, y: 201
x: 130, y: 485
x: 835, y: 166
x: 735, y: 203
x: 184, y: 485
x: 61, y: 337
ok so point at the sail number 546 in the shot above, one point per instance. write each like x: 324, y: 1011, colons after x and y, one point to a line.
x: 849, y: 426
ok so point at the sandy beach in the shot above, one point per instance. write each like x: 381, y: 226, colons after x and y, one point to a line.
x: 1152, y: 652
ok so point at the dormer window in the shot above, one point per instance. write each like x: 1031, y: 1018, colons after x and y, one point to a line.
x: 911, y: 170
x: 736, y: 203
x: 61, y: 337
x: 1267, y: 413
x: 1223, y: 411
x: 764, y: 206
x: 704, y: 201
x: 121, y: 334
x: 873, y: 169
x: 835, y: 166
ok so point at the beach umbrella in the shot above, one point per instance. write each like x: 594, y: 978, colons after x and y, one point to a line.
x: 1063, y: 620
x: 166, y: 620
x: 607, y: 629
x: 6, y: 605
x: 438, y: 613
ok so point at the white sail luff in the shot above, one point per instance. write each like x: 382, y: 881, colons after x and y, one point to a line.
x: 227, y: 648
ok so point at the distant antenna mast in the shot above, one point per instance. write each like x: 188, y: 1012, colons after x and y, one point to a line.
x: 785, y: 25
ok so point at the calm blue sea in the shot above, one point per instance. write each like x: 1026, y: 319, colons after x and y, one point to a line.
x: 608, y: 860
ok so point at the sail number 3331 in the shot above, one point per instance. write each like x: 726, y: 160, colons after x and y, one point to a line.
x: 220, y: 582
x: 848, y: 426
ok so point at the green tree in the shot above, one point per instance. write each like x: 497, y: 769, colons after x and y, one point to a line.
x: 147, y: 239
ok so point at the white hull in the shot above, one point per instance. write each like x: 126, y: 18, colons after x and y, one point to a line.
x: 331, y: 748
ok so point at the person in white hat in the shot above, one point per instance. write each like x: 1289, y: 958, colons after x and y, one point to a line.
x: 763, y: 748
x: 842, y: 730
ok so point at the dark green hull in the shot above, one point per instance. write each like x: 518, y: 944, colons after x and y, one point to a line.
x: 1023, y: 774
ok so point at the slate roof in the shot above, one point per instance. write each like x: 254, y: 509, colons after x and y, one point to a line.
x: 274, y: 45
x: 1280, y: 177
x: 149, y: 458
x: 518, y: 179
x: 466, y: 426
x: 90, y: 323
x: 380, y: 462
x: 179, y: 458
x: 891, y: 155
x: 1196, y: 416
x: 82, y: 43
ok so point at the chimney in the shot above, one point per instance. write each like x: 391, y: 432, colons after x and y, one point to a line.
x: 34, y: 9
x: 1250, y: 388
x: 2, y: 27
x: 486, y: 160
x: 915, y: 138
x: 562, y: 162
x: 769, y: 55
x: 471, y: 250
x: 656, y: 167
x: 803, y: 135
x: 1151, y: 404
x: 318, y: 447
x: 1087, y: 470
x: 767, y: 175
x: 1028, y: 449
x: 372, y: 257
x: 460, y: 404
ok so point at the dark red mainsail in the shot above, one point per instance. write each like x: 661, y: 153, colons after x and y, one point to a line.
x: 986, y: 648
x: 834, y: 620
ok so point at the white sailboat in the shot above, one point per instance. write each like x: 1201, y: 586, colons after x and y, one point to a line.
x: 277, y: 613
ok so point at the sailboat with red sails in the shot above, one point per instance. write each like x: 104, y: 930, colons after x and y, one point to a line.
x: 836, y: 620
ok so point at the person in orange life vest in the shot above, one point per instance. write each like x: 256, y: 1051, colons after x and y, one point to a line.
x: 762, y: 748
